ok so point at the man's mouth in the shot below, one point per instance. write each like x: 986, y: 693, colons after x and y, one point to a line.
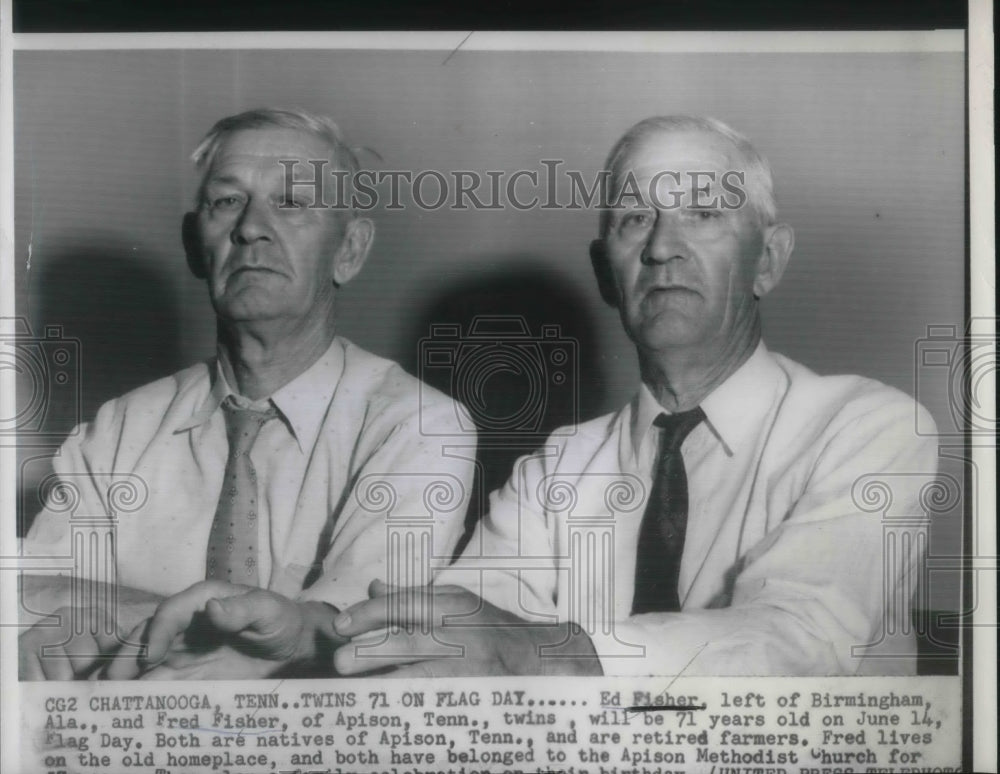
x: 670, y: 289
x: 666, y: 297
x: 251, y: 269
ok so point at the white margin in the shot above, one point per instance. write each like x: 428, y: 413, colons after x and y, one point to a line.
x: 982, y: 304
x: 10, y: 751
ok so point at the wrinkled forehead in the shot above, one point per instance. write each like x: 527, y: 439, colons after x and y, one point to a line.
x: 677, y: 168
x: 260, y: 152
x: 681, y: 151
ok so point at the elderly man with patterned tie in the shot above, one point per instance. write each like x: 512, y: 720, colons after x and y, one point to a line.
x: 248, y: 463
x: 717, y: 523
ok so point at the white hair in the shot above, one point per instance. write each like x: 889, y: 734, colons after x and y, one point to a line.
x: 343, y: 156
x: 758, y: 183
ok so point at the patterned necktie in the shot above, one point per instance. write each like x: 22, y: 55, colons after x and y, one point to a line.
x: 232, y: 544
x: 661, y: 536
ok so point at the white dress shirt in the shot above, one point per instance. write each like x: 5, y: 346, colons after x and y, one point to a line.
x: 784, y: 569
x: 348, y: 424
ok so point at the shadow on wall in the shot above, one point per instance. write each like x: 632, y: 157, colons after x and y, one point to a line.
x: 518, y: 349
x: 118, y: 319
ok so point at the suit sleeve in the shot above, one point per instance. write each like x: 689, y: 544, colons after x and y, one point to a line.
x: 72, y: 537
x: 510, y: 560
x: 80, y: 487
x: 405, y: 509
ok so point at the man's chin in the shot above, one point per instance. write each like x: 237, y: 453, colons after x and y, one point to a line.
x: 668, y: 332
x: 250, y: 301
x: 247, y: 312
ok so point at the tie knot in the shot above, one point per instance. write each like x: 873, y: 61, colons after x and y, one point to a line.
x: 676, y: 427
x: 244, y: 424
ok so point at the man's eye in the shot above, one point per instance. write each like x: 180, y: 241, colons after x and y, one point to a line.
x: 705, y: 213
x: 294, y: 203
x: 637, y: 220
x: 226, y: 203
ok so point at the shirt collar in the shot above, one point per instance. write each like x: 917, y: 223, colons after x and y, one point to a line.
x: 647, y: 408
x: 732, y: 409
x: 303, y: 402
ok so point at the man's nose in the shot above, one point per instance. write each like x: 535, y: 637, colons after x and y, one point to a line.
x: 666, y: 241
x: 254, y: 223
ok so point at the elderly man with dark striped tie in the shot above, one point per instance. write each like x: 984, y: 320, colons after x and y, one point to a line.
x: 718, y: 523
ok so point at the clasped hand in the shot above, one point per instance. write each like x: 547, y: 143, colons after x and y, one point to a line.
x: 212, y: 630
x: 217, y: 630
x: 222, y: 631
x: 447, y: 631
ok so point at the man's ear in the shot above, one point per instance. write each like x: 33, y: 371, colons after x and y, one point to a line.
x: 192, y: 245
x: 779, y: 240
x: 602, y: 270
x: 359, y: 233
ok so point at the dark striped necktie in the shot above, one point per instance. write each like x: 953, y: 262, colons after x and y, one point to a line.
x: 664, y: 523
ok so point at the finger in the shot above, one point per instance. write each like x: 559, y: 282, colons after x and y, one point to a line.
x: 379, y: 588
x: 412, y: 606
x: 28, y: 669
x: 231, y: 614
x: 42, y: 651
x: 174, y: 615
x: 42, y: 654
x: 320, y: 617
x: 84, y: 655
x: 94, y: 641
x: 28, y: 663
x: 127, y: 663
x: 55, y: 663
x: 172, y: 618
x: 269, y: 624
x: 257, y: 611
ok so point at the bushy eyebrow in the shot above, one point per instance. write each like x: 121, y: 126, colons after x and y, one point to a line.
x: 222, y: 180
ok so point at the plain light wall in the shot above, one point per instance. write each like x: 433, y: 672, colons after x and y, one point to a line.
x: 868, y: 153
